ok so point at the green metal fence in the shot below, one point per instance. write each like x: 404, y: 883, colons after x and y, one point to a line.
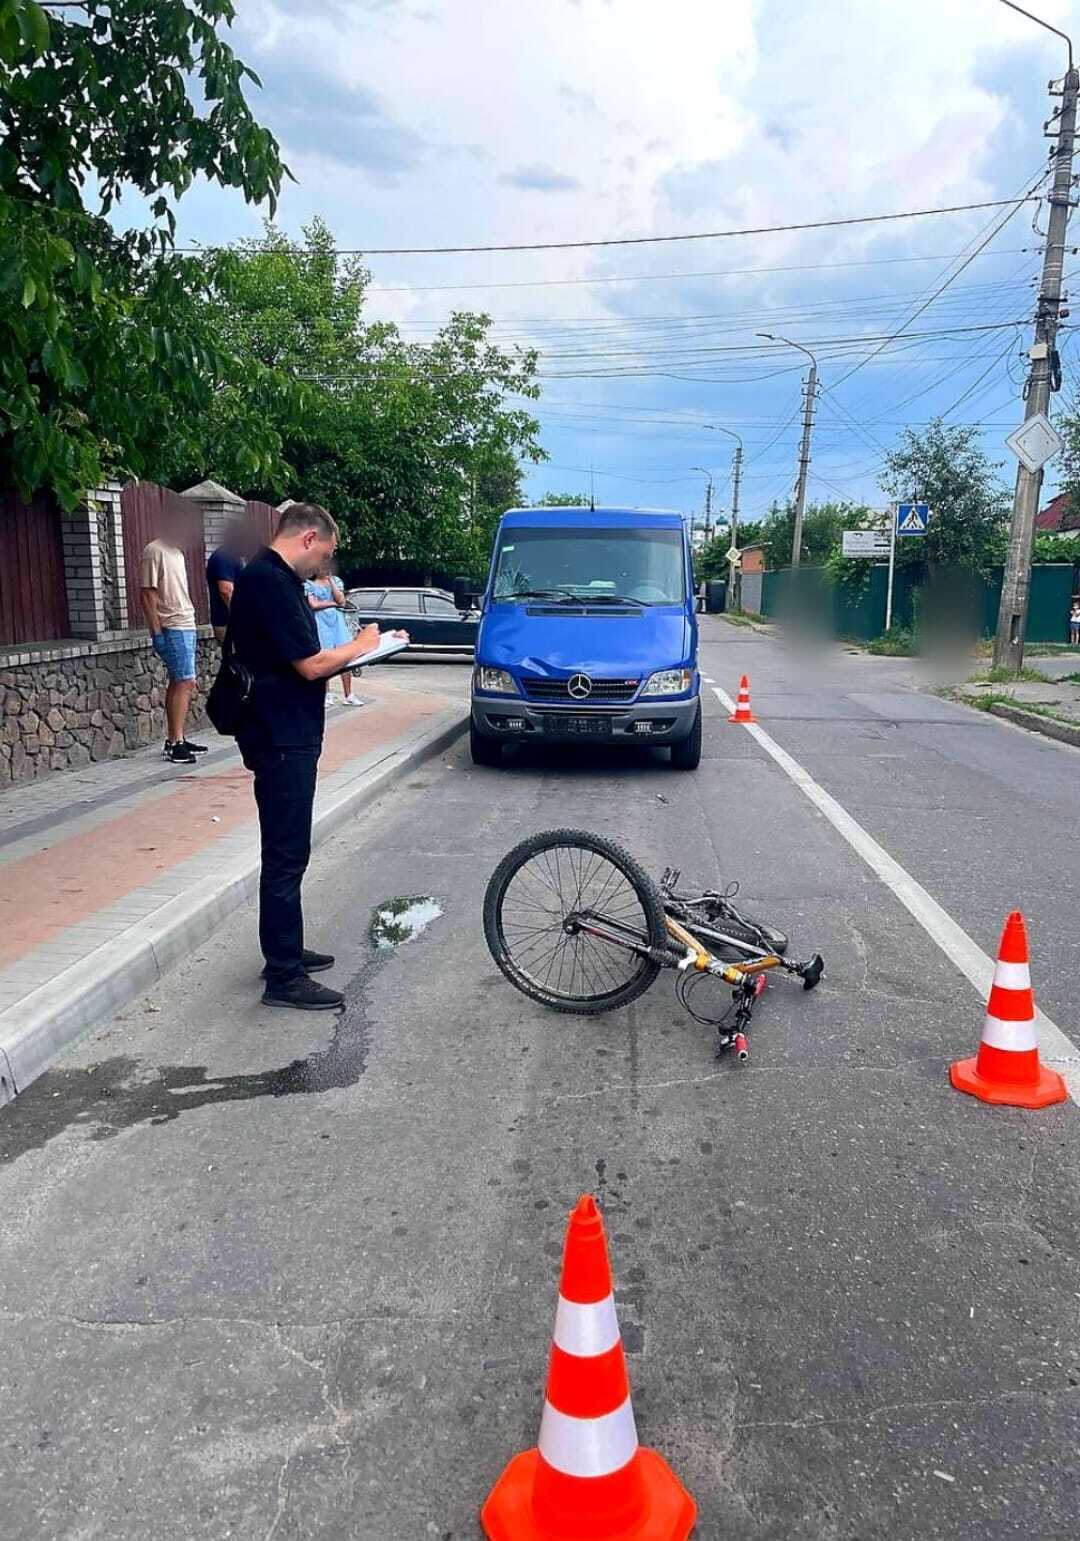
x: 804, y: 594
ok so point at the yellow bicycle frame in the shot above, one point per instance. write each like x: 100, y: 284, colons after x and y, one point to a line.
x: 703, y: 959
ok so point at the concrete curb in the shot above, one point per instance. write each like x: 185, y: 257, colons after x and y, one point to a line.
x: 35, y: 1032
x: 1049, y: 727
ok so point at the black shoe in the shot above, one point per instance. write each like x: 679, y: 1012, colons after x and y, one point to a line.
x: 195, y: 748
x: 311, y: 962
x: 179, y: 754
x: 303, y: 994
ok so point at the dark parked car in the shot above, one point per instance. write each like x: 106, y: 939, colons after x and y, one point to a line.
x: 430, y: 616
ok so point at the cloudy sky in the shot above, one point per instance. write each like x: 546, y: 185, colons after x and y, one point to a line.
x: 413, y: 123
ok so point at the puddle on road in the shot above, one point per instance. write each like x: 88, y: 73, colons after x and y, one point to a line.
x: 397, y: 921
x: 122, y: 1091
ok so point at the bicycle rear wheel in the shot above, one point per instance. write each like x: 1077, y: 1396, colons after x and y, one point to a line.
x: 552, y: 876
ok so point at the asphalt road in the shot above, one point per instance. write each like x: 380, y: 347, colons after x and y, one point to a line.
x: 272, y: 1277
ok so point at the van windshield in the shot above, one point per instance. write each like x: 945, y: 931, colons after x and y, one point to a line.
x: 646, y: 566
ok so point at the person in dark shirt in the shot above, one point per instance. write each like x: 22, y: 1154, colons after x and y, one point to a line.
x: 273, y: 632
x: 224, y: 567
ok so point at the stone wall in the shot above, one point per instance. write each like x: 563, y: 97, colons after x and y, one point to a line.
x: 68, y: 704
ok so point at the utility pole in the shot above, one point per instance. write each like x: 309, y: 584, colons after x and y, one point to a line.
x: 736, y: 481
x: 708, y: 500
x: 804, y: 448
x: 1044, y: 377
x: 804, y: 462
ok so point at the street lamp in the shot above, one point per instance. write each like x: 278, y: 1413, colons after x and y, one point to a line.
x: 804, y: 450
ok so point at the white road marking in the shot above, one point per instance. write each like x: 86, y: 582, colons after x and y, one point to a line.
x: 1054, y: 1046
x: 709, y: 681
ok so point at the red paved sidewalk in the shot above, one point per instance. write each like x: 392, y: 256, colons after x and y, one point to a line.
x: 83, y: 872
x: 108, y: 876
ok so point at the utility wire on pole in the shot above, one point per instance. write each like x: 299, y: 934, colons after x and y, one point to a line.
x: 804, y: 447
x: 1044, y: 376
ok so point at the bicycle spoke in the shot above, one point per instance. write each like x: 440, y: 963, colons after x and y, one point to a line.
x: 554, y: 884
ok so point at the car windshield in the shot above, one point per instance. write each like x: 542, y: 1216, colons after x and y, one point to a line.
x: 645, y: 566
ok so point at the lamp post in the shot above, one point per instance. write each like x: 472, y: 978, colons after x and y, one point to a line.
x: 804, y: 448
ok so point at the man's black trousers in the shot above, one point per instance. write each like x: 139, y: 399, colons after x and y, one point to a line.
x: 285, y: 794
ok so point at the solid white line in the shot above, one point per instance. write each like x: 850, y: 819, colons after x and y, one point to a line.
x: 977, y: 966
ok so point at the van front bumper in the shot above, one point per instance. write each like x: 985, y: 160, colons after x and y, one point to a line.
x: 645, y: 722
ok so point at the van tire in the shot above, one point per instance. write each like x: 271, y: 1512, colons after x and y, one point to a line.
x: 686, y: 754
x: 484, y: 750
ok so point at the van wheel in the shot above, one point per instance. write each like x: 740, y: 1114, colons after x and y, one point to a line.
x: 485, y: 750
x: 686, y: 754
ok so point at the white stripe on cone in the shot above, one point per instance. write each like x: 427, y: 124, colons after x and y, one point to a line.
x: 588, y: 1447
x: 1012, y: 976
x: 586, y: 1330
x: 1015, y: 1036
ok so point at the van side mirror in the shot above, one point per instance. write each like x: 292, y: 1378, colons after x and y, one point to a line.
x: 467, y: 592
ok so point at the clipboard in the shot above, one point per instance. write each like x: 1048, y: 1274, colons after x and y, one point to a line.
x: 388, y: 646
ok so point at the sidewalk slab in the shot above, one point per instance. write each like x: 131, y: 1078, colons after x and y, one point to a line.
x: 121, y: 939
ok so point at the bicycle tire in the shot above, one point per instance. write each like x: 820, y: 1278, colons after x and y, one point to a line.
x: 645, y: 890
x: 754, y: 936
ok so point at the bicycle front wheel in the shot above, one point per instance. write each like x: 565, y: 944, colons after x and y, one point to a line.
x: 534, y: 892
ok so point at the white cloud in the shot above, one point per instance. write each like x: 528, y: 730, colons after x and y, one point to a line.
x: 501, y: 121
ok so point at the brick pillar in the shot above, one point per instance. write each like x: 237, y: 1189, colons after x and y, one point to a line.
x: 219, y: 505
x: 94, y: 565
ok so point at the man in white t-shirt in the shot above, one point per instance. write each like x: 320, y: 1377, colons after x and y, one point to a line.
x: 170, y: 615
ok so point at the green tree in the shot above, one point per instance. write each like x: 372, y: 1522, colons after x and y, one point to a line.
x: 945, y: 467
x: 562, y: 500
x: 416, y: 448
x: 104, y: 336
x: 823, y: 525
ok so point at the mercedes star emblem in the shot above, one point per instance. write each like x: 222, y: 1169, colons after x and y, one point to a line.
x: 579, y: 687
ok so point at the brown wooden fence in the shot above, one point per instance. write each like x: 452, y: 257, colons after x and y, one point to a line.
x: 264, y: 516
x: 143, y: 506
x: 33, y: 594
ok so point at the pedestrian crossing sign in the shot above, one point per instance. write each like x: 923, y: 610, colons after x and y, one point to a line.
x: 912, y: 518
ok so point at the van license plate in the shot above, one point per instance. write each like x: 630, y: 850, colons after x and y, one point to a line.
x: 589, y: 727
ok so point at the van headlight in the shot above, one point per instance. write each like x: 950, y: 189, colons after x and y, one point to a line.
x: 668, y: 682
x: 494, y: 682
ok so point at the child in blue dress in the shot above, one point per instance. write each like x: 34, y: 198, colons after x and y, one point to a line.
x: 327, y: 598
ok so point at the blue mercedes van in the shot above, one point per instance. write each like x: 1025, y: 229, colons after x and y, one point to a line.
x: 588, y: 633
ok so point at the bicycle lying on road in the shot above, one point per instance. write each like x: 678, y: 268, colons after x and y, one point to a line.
x: 575, y: 923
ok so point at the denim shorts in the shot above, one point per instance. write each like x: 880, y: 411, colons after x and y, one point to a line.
x: 176, y: 649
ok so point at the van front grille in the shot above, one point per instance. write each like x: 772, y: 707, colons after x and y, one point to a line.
x: 559, y: 690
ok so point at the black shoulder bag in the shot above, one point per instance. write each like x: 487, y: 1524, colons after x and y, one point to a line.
x: 229, y: 701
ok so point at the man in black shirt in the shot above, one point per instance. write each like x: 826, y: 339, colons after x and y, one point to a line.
x: 273, y: 632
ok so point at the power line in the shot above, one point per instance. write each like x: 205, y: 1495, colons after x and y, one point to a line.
x: 657, y: 240
x: 648, y: 278
x: 997, y: 228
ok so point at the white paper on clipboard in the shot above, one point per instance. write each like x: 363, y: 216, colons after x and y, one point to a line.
x: 388, y: 646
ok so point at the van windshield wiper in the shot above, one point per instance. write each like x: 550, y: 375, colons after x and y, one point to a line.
x: 617, y: 599
x: 556, y: 594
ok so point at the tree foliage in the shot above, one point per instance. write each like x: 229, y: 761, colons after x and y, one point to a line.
x: 416, y: 448
x: 562, y: 500
x: 103, y: 335
x: 945, y: 467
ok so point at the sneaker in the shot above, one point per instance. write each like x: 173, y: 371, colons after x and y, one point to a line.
x: 196, y: 748
x: 179, y: 754
x: 312, y: 962
x: 303, y: 994
x: 351, y: 701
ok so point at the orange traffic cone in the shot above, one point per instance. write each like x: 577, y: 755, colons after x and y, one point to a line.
x: 589, y: 1479
x: 742, y: 705
x: 1007, y: 1067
